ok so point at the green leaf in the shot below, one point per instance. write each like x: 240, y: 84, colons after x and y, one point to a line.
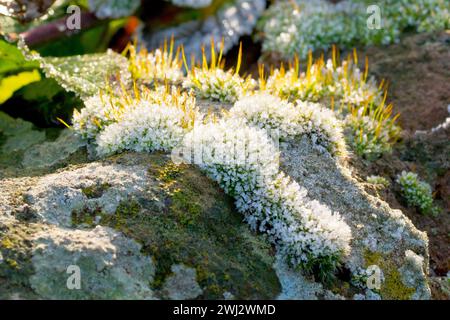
x: 8, y: 85
x: 46, y: 89
x: 86, y: 74
x: 83, y: 74
x: 15, y: 71
x: 12, y: 60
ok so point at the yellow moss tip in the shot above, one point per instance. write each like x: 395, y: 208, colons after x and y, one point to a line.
x: 63, y: 122
x: 239, y: 59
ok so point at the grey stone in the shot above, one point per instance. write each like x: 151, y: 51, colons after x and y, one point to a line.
x: 56, y: 196
x: 376, y: 228
x: 111, y: 266
x: 230, y: 22
x: 50, y: 153
x: 182, y: 284
x: 20, y: 134
x: 294, y: 285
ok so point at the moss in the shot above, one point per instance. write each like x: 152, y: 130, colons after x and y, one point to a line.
x: 372, y: 258
x: 95, y: 191
x: 342, y: 288
x: 10, y: 290
x: 169, y: 172
x: 194, y: 223
x: 12, y: 263
x: 15, y: 248
x: 186, y: 210
x: 10, y: 159
x: 7, y: 244
x: 85, y: 216
x: 3, y: 139
x: 393, y: 287
x: 127, y: 210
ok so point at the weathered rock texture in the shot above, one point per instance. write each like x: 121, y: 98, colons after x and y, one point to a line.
x: 111, y: 265
x: 140, y: 227
x: 381, y: 236
x: 137, y: 226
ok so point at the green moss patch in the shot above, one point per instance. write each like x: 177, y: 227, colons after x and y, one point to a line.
x: 392, y: 288
x: 85, y: 216
x: 15, y: 248
x: 95, y: 191
x: 196, y: 224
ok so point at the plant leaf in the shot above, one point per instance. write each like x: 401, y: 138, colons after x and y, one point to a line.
x: 83, y: 74
x: 10, y: 84
x: 12, y: 60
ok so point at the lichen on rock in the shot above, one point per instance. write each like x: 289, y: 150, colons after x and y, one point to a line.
x: 375, y: 226
x: 57, y: 196
x: 182, y: 284
x: 143, y: 213
x: 111, y: 265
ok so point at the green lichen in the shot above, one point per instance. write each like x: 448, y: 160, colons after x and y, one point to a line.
x: 15, y: 248
x: 194, y: 223
x: 85, y: 216
x: 393, y: 287
x: 372, y: 258
x: 186, y: 209
x: 95, y: 191
x: 126, y: 210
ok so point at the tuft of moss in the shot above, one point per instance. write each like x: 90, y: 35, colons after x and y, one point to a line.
x: 85, y: 216
x: 393, y: 287
x: 417, y: 193
x: 186, y: 209
x: 95, y: 191
x: 126, y: 211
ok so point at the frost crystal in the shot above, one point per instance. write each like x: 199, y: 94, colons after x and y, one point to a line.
x: 217, y: 84
x: 269, y: 112
x: 243, y: 160
x: 113, y: 8
x: 296, y: 27
x: 192, y: 3
x: 145, y: 127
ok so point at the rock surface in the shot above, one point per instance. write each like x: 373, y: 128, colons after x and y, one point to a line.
x: 381, y: 236
x: 137, y: 226
x: 182, y: 284
x: 111, y: 266
x: 22, y: 146
x: 140, y: 227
